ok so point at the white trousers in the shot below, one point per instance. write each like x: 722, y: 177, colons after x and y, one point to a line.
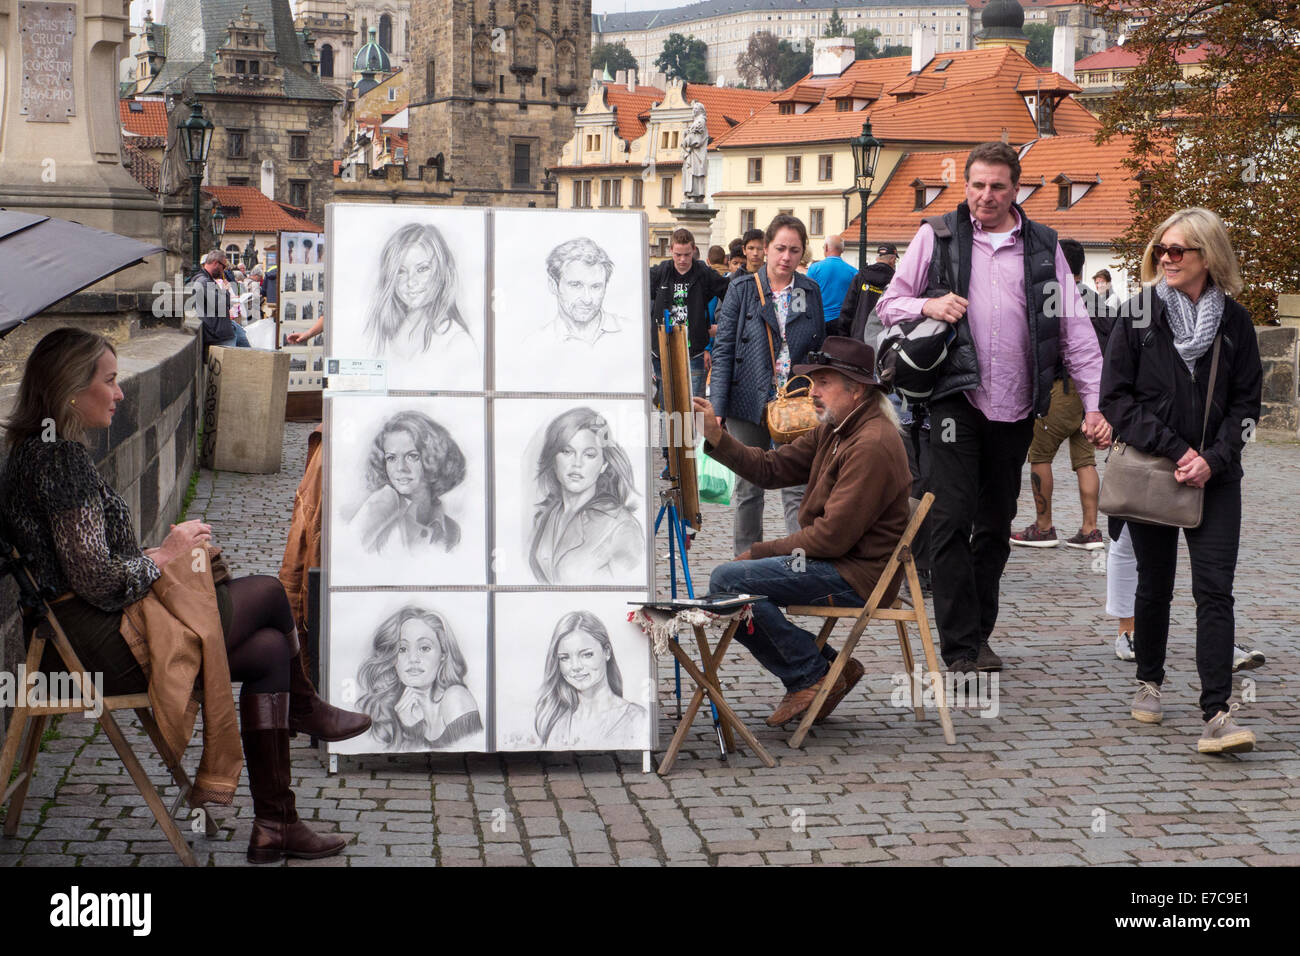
x: 1121, y: 576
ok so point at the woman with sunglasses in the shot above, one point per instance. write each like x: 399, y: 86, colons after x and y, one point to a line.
x: 1153, y: 391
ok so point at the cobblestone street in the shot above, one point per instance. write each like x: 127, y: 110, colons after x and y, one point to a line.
x: 1060, y: 775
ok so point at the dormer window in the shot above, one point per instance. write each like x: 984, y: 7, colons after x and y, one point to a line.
x: 844, y: 106
x: 1071, y: 187
x: 1063, y: 196
x: 786, y: 109
x: 927, y: 191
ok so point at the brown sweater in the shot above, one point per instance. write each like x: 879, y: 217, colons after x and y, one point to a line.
x: 855, y: 507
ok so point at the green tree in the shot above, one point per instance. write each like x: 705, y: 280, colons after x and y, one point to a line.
x: 612, y: 57
x: 1224, y: 138
x: 761, y: 61
x: 794, y: 62
x: 834, y: 26
x: 1040, y: 43
x: 864, y: 40
x: 895, y: 49
x: 684, y: 58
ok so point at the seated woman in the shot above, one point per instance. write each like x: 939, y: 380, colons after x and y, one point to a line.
x: 79, y: 533
x: 581, y: 706
x: 585, y: 528
x: 414, y: 684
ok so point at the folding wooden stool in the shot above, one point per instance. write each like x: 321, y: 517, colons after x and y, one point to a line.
x: 32, y: 716
x: 902, y: 557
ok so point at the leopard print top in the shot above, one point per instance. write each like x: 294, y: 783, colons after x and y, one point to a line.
x: 76, y: 528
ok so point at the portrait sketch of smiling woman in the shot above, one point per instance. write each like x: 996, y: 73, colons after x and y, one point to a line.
x: 585, y: 528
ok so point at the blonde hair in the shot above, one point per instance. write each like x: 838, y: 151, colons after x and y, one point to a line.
x: 61, y: 365
x: 1204, y: 229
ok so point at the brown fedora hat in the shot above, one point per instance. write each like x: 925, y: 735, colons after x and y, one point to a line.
x: 849, y: 357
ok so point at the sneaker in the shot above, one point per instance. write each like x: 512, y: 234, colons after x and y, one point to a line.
x: 1146, y: 705
x: 1124, y: 646
x: 1086, y: 542
x: 986, y: 660
x: 1032, y: 537
x: 1222, y: 736
x: 1246, y: 660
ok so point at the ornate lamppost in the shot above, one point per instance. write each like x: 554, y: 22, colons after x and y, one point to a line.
x: 866, y: 152
x: 196, y: 140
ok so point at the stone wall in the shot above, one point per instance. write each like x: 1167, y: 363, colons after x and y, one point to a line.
x: 149, y: 453
x: 1279, y: 351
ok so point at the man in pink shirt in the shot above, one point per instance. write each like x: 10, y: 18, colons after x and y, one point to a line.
x: 1004, y: 284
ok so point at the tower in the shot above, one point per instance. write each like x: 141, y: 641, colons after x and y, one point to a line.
x: 495, y: 86
x: 331, y: 23
x: 1003, y: 24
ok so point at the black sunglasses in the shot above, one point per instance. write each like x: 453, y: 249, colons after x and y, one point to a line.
x: 1175, y: 253
x: 821, y: 358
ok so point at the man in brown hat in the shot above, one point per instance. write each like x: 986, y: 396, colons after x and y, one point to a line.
x: 853, y: 513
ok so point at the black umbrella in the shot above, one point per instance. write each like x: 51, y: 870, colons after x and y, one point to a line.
x: 44, y: 260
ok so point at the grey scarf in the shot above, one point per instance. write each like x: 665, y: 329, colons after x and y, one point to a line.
x: 1194, y: 324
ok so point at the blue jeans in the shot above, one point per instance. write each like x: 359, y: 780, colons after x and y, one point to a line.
x: 787, y: 651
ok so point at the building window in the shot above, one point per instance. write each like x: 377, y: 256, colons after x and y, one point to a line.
x: 746, y: 220
x: 816, y: 222
x: 611, y: 193
x: 386, y: 32
x: 793, y: 169
x: 430, y: 74
x: 237, y: 144
x: 785, y: 212
x: 232, y: 255
x: 1063, y: 196
x: 786, y: 109
x: 241, y: 66
x: 755, y: 168
x: 638, y: 193
x: 254, y: 67
x: 327, y: 61
x: 674, y: 143
x: 392, y: 94
x: 298, y: 193
x: 825, y: 167
x: 523, y: 164
x: 298, y: 146
x: 666, y: 192
x: 843, y: 106
x: 501, y: 84
x: 543, y: 86
x: 236, y: 180
x: 582, y: 194
x: 920, y: 198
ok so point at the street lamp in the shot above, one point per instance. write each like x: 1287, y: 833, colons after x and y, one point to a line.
x: 196, y: 140
x: 866, y: 151
x: 218, y: 224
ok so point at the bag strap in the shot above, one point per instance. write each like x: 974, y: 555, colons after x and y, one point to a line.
x: 766, y: 328
x: 1209, y: 394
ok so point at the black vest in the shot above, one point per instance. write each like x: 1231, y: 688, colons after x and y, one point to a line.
x: 950, y: 272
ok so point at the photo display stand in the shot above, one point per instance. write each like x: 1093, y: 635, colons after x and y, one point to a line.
x: 300, y: 299
x: 488, y: 478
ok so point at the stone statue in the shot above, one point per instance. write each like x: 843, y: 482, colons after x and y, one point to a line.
x: 695, y: 165
x: 175, y: 171
x: 250, y: 254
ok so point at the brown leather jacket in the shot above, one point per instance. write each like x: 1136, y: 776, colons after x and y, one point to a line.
x: 302, y: 550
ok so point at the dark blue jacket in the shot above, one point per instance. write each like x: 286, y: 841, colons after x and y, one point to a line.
x: 741, y: 384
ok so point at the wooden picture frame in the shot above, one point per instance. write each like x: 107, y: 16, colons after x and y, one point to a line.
x: 679, y: 413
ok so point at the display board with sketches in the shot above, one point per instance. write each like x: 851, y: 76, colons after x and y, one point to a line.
x: 487, y: 518
x: 301, y: 303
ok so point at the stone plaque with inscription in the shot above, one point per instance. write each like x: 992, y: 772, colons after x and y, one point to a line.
x: 46, y: 32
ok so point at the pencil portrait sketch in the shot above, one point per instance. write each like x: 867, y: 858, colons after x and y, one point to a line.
x: 413, y: 684
x: 581, y: 704
x: 419, y: 301
x: 586, y: 326
x: 413, y: 462
x: 585, y: 527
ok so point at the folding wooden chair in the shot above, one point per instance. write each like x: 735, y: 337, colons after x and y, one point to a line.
x: 33, y: 715
x: 902, y: 557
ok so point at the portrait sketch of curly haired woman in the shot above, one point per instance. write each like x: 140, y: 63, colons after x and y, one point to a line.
x: 413, y: 461
x: 413, y: 684
x: 585, y: 528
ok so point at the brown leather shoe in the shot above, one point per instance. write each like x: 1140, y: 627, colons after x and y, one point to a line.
x: 793, y: 705
x: 852, y: 673
x: 310, y: 715
x: 273, y: 840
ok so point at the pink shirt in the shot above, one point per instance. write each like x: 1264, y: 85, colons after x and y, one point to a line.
x: 998, y: 321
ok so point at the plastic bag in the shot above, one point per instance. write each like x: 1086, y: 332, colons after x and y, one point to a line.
x: 717, y: 481
x: 261, y: 334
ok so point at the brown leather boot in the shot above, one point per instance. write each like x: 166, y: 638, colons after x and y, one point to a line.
x: 310, y: 715
x: 277, y: 831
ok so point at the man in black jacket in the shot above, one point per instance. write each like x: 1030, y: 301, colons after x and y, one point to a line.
x: 212, y: 303
x: 683, y: 287
x: 864, y: 291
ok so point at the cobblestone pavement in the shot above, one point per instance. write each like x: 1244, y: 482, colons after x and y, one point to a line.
x: 1061, y: 774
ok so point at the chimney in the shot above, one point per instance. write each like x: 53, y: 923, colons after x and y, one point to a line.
x: 832, y: 55
x: 631, y: 81
x: 620, y: 77
x: 925, y: 44
x: 1063, y: 52
x: 268, y: 179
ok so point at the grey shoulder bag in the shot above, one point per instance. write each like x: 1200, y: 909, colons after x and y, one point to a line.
x: 1141, y: 487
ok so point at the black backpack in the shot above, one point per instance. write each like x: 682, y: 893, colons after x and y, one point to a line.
x: 910, y: 354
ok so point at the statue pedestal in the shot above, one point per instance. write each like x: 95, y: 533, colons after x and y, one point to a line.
x: 698, y: 218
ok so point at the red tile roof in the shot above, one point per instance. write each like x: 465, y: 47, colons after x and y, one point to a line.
x: 149, y: 121
x: 801, y: 93
x: 856, y: 89
x: 972, y: 101
x: 1048, y: 82
x: 724, y: 107
x: 143, y: 169
x: 1097, y: 218
x: 628, y: 107
x: 1126, y: 57
x: 247, y: 210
